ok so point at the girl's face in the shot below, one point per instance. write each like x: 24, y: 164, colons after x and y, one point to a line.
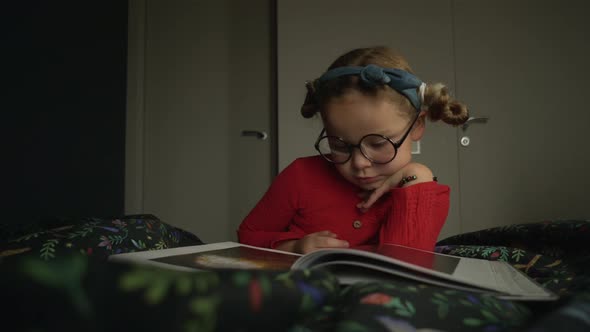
x: 355, y: 115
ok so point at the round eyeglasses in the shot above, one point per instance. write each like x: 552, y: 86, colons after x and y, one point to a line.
x: 376, y: 148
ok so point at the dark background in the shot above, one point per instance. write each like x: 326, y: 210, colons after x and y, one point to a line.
x: 63, y: 109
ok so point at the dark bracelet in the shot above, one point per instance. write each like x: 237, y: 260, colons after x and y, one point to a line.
x: 406, y: 180
x: 411, y: 178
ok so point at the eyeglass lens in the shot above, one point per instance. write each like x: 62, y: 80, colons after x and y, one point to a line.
x: 374, y: 147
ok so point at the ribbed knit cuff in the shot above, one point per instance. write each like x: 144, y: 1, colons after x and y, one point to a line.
x: 417, y: 215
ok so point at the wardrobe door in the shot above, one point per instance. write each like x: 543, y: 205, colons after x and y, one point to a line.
x: 202, y: 83
x: 523, y: 65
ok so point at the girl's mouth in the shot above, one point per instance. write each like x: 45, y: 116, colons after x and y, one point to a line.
x: 367, y: 180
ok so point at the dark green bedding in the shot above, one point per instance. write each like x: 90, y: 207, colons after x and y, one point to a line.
x: 58, y: 278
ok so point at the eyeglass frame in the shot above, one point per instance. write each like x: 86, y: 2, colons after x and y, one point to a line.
x: 349, y: 146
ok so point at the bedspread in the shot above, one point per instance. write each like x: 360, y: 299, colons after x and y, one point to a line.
x: 59, y: 279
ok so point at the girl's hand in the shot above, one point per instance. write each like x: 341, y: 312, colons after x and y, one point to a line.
x: 312, y: 242
x: 422, y: 173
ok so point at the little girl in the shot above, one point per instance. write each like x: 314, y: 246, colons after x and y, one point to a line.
x: 363, y: 187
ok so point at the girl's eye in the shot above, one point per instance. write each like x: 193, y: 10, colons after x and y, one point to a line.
x: 338, y: 146
x: 376, y: 143
x: 381, y: 144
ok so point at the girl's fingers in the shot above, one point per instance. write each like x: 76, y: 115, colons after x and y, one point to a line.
x: 320, y: 241
x: 364, y: 194
x: 372, y: 198
x: 326, y: 233
x: 329, y: 242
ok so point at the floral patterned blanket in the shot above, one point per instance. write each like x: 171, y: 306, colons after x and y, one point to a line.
x: 58, y: 278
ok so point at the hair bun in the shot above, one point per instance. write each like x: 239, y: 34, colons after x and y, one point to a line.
x: 441, y: 106
x: 308, y: 110
x: 309, y: 107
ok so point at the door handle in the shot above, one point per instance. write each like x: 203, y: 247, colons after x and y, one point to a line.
x: 473, y: 119
x: 261, y: 135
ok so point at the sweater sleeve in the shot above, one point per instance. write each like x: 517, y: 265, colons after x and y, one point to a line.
x: 269, y: 221
x: 417, y: 215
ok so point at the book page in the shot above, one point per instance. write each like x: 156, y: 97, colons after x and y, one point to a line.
x: 425, y: 266
x: 239, y: 257
x: 220, y: 255
x: 426, y: 259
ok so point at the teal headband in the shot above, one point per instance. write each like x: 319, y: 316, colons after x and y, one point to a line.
x: 400, y: 80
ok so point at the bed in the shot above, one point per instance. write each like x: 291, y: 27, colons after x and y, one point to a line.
x: 56, y: 276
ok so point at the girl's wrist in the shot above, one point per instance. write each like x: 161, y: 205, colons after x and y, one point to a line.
x: 411, y: 178
x: 406, y: 179
x: 415, y: 173
x: 287, y: 245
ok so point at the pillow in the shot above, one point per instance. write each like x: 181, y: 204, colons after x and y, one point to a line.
x: 98, y: 237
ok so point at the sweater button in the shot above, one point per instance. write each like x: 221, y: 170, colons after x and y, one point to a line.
x: 357, y: 224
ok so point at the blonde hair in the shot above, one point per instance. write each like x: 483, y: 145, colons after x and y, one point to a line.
x: 437, y: 101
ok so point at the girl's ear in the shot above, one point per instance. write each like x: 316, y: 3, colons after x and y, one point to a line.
x: 418, y: 130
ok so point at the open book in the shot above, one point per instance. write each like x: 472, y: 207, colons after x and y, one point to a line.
x: 367, y: 263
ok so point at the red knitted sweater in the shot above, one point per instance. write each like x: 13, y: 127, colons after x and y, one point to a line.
x: 311, y: 196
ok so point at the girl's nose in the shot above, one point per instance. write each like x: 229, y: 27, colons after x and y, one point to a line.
x: 358, y: 160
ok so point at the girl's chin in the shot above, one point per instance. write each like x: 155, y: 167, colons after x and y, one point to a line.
x: 369, y: 186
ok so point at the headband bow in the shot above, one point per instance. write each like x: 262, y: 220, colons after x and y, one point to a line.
x: 400, y: 80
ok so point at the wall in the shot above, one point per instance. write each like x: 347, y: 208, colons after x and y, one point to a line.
x: 63, y: 109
